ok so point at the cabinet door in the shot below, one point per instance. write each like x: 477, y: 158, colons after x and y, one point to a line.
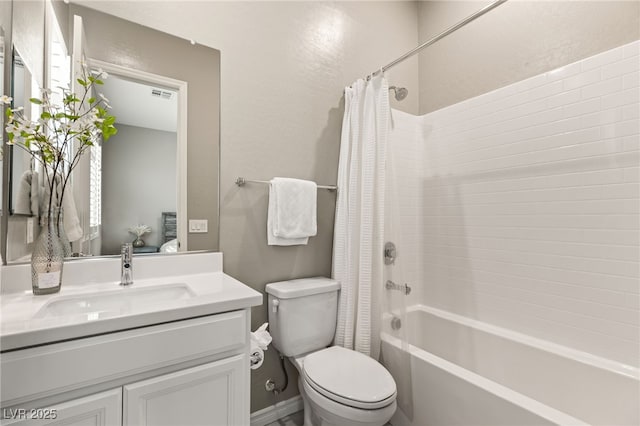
x: 212, y: 394
x: 101, y: 409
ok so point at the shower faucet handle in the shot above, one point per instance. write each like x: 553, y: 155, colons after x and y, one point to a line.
x: 390, y: 253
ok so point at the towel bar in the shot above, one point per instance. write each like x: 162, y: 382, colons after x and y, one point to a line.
x: 242, y: 181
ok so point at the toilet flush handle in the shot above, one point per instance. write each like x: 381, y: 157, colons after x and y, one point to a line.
x: 274, y: 305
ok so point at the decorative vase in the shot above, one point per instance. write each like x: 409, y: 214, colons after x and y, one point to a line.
x: 47, y: 258
x: 62, y: 234
x: 138, y: 242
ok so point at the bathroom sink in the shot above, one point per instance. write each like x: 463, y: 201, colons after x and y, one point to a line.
x: 118, y: 301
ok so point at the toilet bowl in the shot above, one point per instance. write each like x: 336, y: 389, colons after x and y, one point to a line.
x: 344, y: 388
x: 338, y: 386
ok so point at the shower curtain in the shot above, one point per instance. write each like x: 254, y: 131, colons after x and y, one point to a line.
x: 359, y: 224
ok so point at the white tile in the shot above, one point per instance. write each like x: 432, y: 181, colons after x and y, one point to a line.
x: 603, y: 117
x: 545, y: 91
x: 604, y: 58
x: 630, y: 112
x: 632, y: 174
x: 564, y: 98
x: 601, y: 88
x: 581, y: 108
x: 625, y: 97
x: 626, y: 128
x: 582, y: 79
x: 632, y: 49
x: 631, y: 143
x: 625, y: 66
x: 528, y: 202
x: 631, y: 80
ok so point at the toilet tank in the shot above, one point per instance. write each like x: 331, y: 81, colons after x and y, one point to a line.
x: 302, y: 314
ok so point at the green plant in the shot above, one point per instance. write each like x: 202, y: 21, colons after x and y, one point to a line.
x: 62, y: 133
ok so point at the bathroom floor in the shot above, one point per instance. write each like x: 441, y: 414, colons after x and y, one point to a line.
x: 295, y: 419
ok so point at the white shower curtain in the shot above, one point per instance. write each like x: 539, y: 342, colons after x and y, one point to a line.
x: 359, y: 225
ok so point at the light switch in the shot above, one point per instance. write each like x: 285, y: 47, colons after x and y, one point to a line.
x: 198, y: 226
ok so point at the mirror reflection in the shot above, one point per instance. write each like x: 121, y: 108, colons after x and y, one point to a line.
x: 24, y: 189
x: 133, y: 187
x: 2, y: 92
x: 137, y: 167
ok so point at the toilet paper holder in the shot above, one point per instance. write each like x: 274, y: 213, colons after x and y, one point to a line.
x: 255, y: 358
x: 259, y: 342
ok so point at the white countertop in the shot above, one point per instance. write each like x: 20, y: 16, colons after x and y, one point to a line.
x: 22, y: 325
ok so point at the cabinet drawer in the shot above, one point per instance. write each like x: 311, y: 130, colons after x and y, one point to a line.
x: 47, y: 370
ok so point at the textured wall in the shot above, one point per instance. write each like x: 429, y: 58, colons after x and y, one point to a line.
x: 530, y: 196
x: 284, y: 66
x: 517, y: 40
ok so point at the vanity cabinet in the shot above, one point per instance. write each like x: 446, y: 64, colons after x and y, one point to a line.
x: 188, y: 372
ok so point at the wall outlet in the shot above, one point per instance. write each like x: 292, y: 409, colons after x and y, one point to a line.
x: 30, y: 223
x: 198, y: 226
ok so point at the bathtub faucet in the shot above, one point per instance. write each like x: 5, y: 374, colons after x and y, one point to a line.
x: 406, y: 288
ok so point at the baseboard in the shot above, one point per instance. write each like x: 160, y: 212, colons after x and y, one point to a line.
x: 274, y: 412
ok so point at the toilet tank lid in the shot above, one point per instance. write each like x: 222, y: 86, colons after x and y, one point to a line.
x: 302, y: 287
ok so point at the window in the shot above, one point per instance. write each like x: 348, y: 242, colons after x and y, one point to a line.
x: 95, y: 190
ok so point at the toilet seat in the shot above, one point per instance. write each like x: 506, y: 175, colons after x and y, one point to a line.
x: 350, y: 378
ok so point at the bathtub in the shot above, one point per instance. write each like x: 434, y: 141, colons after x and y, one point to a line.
x: 465, y: 372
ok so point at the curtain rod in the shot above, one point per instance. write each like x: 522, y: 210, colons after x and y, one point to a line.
x: 443, y: 34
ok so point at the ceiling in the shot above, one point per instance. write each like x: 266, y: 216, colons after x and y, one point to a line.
x: 133, y: 104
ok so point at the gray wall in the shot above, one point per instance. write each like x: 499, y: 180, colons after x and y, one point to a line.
x: 138, y: 184
x: 517, y: 40
x: 123, y: 43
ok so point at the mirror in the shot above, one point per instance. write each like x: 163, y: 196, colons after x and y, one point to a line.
x: 23, y: 200
x: 5, y: 72
x: 138, y: 177
x: 26, y: 56
x: 2, y: 92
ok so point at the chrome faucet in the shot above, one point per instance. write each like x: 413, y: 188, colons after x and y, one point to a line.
x: 126, y: 253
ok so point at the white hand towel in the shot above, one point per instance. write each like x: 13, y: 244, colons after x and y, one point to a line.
x: 292, y: 215
x: 23, y: 196
x: 35, y: 193
x: 71, y: 222
x: 70, y: 219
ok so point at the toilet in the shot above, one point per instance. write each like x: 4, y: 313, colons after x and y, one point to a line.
x: 338, y: 386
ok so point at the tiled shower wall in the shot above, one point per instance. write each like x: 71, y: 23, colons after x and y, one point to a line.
x: 529, y: 202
